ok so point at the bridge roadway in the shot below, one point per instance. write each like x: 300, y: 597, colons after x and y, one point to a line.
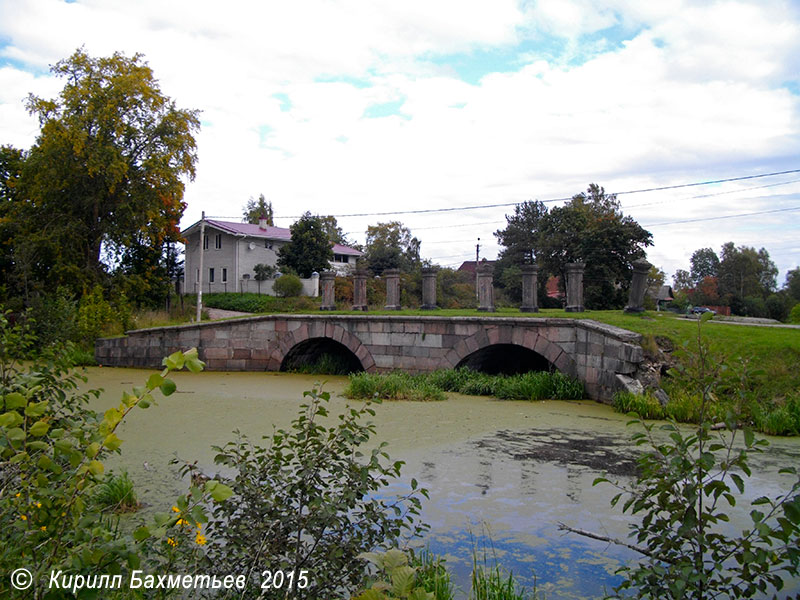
x: 593, y: 352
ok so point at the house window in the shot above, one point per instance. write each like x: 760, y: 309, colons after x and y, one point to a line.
x: 341, y: 258
x: 218, y: 241
x: 211, y: 275
x: 224, y: 275
x: 267, y: 244
x: 205, y: 242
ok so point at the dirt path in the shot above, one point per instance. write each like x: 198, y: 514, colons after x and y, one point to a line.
x: 219, y: 313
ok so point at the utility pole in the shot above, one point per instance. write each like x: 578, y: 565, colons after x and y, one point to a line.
x: 477, y: 258
x: 200, y: 270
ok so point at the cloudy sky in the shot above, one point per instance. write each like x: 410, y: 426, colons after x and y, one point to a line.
x: 344, y: 107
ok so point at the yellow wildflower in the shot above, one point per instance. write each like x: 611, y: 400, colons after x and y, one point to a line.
x: 23, y: 517
x: 43, y: 527
x: 38, y: 505
x: 200, y: 540
x: 176, y: 509
x: 172, y: 542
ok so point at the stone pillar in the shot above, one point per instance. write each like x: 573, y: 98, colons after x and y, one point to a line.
x: 392, y: 278
x: 327, y: 283
x: 638, y: 286
x: 575, y: 287
x: 360, y: 290
x: 530, y: 288
x: 486, y: 287
x: 428, y: 289
x: 314, y: 284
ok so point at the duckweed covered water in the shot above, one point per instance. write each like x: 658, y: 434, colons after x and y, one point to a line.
x: 501, y: 474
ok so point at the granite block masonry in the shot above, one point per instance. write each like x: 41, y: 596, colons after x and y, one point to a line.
x: 592, y: 352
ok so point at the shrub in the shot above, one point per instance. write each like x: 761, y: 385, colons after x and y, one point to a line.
x: 288, y: 286
x: 794, y: 314
x: 689, y: 483
x: 52, y: 453
x: 312, y: 498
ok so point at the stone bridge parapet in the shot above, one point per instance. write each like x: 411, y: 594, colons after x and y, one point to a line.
x: 594, y: 353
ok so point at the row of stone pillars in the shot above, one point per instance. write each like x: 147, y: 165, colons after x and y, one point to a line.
x: 485, y: 282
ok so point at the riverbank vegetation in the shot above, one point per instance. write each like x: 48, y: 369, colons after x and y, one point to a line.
x: 397, y: 385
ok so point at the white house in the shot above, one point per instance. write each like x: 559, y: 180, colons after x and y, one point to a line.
x: 231, y: 251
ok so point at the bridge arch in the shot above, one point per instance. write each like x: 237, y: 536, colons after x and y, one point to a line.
x: 314, y: 349
x: 482, y: 344
x: 505, y: 359
x: 312, y: 336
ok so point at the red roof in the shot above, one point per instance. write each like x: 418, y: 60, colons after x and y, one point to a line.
x: 270, y: 233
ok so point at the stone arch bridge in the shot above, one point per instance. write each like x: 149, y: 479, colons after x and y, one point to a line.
x: 593, y: 352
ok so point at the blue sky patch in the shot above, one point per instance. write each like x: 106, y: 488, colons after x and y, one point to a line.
x: 385, y: 109
x: 286, y: 104
x: 357, y: 82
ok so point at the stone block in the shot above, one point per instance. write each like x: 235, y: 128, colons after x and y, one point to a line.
x: 256, y: 364
x: 383, y: 361
x: 402, y: 339
x: 565, y: 364
x: 214, y: 353
x: 413, y: 327
x: 239, y: 353
x: 381, y: 339
x: 437, y: 328
x: 236, y: 364
x: 465, y: 329
x: 493, y: 335
x: 433, y: 340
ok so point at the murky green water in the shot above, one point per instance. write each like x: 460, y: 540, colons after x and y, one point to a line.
x: 500, y: 473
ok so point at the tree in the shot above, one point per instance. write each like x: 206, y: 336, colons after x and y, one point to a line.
x: 106, y: 172
x: 792, y: 284
x: 391, y: 246
x: 589, y: 228
x: 334, y: 232
x: 263, y: 272
x: 11, y: 163
x: 682, y: 280
x: 255, y: 209
x: 309, y: 250
x: 746, y: 272
x: 704, y: 263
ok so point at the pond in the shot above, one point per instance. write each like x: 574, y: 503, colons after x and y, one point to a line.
x: 501, y: 474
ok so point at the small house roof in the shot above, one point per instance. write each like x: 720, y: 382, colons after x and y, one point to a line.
x: 281, y: 234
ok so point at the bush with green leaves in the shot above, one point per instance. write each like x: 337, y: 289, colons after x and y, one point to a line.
x: 52, y: 453
x: 689, y: 485
x: 397, y: 578
x: 312, y: 497
x: 288, y: 286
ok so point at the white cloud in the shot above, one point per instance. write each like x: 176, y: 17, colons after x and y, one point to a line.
x: 659, y: 94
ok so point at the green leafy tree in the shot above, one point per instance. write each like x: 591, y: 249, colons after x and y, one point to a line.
x: 682, y: 280
x: 391, y: 246
x: 589, y: 228
x: 11, y: 163
x: 335, y: 233
x: 746, y: 272
x: 309, y: 249
x: 792, y: 284
x: 107, y: 170
x: 263, y: 272
x: 704, y: 263
x: 255, y: 209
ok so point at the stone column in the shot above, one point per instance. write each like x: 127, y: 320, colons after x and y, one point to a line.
x: 638, y: 286
x: 575, y: 287
x: 530, y: 288
x: 486, y: 288
x: 327, y: 283
x: 392, y: 278
x: 360, y: 290
x: 428, y: 289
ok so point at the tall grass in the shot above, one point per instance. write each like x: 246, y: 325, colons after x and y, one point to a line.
x: 432, y: 575
x: 534, y: 385
x: 116, y: 494
x: 490, y: 581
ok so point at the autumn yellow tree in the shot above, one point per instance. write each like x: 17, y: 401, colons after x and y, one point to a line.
x: 106, y: 174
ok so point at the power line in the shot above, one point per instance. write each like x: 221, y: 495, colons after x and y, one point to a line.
x: 550, y: 200
x: 761, y: 212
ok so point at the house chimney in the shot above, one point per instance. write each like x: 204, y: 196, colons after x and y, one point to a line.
x: 262, y: 222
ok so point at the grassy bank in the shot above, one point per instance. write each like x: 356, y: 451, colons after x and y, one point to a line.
x: 535, y: 385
